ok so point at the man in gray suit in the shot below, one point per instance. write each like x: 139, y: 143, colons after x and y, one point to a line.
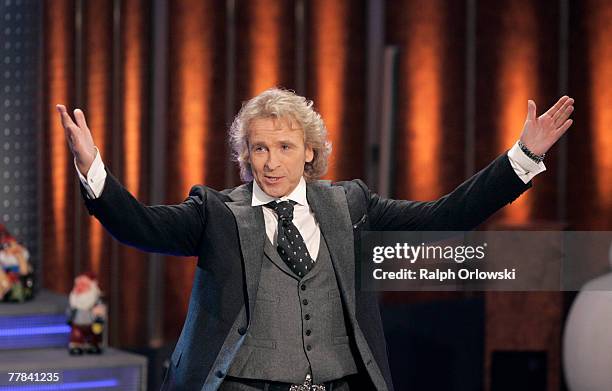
x: 274, y: 303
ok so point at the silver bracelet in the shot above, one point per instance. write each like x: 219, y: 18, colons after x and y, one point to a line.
x: 536, y: 158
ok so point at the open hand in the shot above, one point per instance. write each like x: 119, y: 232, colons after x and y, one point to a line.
x: 540, y: 133
x: 79, y: 138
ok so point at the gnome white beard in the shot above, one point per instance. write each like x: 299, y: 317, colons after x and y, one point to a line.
x: 86, y: 300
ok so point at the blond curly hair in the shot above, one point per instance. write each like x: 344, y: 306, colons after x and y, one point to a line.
x: 281, y: 103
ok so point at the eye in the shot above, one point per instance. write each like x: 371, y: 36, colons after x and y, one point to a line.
x: 285, y: 147
x: 259, y: 148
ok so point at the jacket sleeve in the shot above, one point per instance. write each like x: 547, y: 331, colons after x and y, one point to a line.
x: 463, y: 209
x: 167, y: 229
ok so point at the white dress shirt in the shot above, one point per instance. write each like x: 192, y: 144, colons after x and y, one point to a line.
x: 303, y: 217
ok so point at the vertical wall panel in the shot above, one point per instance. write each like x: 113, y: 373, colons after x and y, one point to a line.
x: 135, y: 37
x: 264, y: 37
x: 196, y: 134
x: 135, y: 64
x: 518, y: 82
x: 600, y: 99
x: 430, y: 96
x: 518, y: 50
x: 330, y: 55
x: 590, y: 83
x: 429, y: 150
x: 97, y: 93
x: 57, y: 205
x: 544, y: 198
x: 336, y: 79
x: 516, y: 40
x: 20, y: 119
x: 582, y: 183
x: 265, y: 48
x: 422, y: 116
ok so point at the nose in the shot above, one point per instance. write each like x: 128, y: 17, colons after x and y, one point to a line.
x: 272, y: 162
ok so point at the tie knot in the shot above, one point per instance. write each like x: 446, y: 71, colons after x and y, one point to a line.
x: 283, y: 209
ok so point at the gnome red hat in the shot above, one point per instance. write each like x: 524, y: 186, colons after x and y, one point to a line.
x: 91, y: 275
x: 5, y: 236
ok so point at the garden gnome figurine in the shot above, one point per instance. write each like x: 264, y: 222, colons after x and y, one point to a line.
x: 86, y: 315
x: 16, y: 272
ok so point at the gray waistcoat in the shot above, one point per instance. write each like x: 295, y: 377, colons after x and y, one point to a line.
x: 298, y: 325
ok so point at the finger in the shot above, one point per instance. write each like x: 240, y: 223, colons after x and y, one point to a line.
x: 66, y: 120
x: 531, y: 110
x: 557, y: 105
x: 80, y: 119
x: 566, y: 125
x: 561, y: 115
x: 72, y: 135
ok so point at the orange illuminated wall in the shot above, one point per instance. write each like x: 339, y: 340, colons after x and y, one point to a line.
x: 422, y: 113
x: 57, y: 211
x: 429, y: 97
x: 97, y: 41
x: 190, y: 139
x: 264, y: 35
x: 330, y: 42
x: 134, y: 66
x: 135, y: 128
x: 600, y: 107
x: 518, y: 82
x: 192, y: 91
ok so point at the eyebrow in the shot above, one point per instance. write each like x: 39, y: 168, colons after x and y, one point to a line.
x: 286, y: 142
x: 263, y: 143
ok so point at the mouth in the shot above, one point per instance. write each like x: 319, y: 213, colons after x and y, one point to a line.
x: 273, y: 179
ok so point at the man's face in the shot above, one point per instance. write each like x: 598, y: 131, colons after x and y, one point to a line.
x: 277, y: 154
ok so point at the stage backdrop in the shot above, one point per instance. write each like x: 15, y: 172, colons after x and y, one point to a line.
x: 161, y: 81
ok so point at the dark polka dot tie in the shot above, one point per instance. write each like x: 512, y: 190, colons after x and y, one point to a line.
x: 291, y: 246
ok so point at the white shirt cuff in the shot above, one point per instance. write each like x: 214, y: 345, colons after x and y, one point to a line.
x: 96, y: 177
x: 525, y: 168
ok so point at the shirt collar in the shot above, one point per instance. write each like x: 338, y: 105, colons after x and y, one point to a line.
x: 261, y: 198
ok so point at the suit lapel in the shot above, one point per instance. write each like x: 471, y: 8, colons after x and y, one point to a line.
x: 331, y: 211
x: 251, y: 233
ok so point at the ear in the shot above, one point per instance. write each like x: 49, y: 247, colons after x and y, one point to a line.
x: 309, y: 154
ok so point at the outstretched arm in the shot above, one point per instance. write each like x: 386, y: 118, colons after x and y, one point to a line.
x: 169, y: 229
x: 481, y: 195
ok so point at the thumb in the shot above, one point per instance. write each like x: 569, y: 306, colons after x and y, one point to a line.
x: 531, y: 110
